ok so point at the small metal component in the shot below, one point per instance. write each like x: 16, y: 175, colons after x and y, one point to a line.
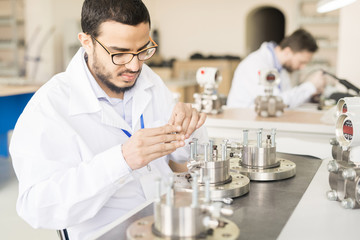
x: 207, y: 189
x: 332, y: 195
x: 245, y: 137
x: 192, y: 151
x: 273, y: 133
x: 223, y: 151
x: 195, y: 194
x: 206, y: 152
x: 195, y: 140
x: 268, y: 141
x: 348, y: 203
x: 259, y: 138
x: 211, y: 147
x: 349, y: 174
x: 169, y: 194
x: 333, y: 166
x: 227, y: 201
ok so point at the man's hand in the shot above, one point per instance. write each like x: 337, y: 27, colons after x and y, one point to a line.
x: 151, y: 143
x: 187, y: 117
x: 318, y: 80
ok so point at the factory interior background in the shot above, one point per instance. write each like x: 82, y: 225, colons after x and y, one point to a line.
x: 219, y: 33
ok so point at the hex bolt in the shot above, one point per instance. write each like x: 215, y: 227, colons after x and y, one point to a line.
x: 245, y: 137
x: 207, y: 189
x: 194, y: 202
x: 349, y: 174
x: 206, y: 152
x: 333, y: 166
x: 211, y: 146
x: 259, y: 138
x: 348, y: 203
x: 192, y: 151
x: 223, y: 151
x: 195, y: 141
x: 268, y: 141
x: 273, y: 133
x: 332, y: 195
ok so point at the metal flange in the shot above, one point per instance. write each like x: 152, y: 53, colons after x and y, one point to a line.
x: 236, y: 187
x: 143, y: 229
x: 286, y: 169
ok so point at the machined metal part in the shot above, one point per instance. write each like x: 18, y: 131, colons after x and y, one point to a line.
x: 269, y: 106
x: 143, y: 229
x: 255, y: 156
x: 286, y: 169
x: 344, y: 181
x: 238, y: 185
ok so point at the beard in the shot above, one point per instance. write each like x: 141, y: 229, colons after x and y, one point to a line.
x: 105, y: 77
x: 288, y: 68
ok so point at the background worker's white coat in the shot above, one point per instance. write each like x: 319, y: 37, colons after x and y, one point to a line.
x: 246, y: 86
x: 66, y: 151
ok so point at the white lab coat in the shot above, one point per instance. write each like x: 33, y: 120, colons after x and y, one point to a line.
x: 245, y: 84
x: 66, y: 152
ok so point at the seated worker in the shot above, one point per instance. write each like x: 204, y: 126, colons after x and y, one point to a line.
x: 91, y: 142
x: 292, y: 54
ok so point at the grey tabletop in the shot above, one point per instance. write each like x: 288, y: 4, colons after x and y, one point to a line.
x: 263, y: 212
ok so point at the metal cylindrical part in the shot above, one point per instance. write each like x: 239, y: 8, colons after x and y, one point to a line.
x: 348, y: 203
x: 211, y: 147
x: 179, y: 220
x: 245, y: 137
x: 259, y: 139
x: 348, y: 104
x: 195, y: 194
x: 332, y: 195
x: 207, y: 189
x: 195, y: 141
x: 206, y: 152
x: 254, y: 157
x: 169, y: 192
x: 349, y: 174
x: 223, y: 151
x: 333, y: 166
x: 192, y: 151
x: 273, y: 133
x: 157, y: 189
x: 216, y: 171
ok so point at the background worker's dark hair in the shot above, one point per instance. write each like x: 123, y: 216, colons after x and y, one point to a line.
x: 300, y: 40
x: 95, y: 12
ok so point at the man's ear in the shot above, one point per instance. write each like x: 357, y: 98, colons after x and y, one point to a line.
x: 86, y: 41
x: 288, y: 52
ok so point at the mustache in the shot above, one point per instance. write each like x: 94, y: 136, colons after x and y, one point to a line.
x: 129, y: 72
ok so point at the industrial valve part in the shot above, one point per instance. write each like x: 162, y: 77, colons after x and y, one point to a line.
x: 269, y: 105
x: 258, y: 160
x: 344, y: 180
x: 344, y: 169
x: 185, y: 215
x: 224, y: 185
x: 209, y: 101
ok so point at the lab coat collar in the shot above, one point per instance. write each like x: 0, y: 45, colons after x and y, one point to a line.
x: 84, y: 100
x: 82, y: 96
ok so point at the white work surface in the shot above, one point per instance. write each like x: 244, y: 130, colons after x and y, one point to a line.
x: 315, y: 217
x: 299, y: 124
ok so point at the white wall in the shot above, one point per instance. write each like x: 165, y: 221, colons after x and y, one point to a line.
x: 349, y: 44
x: 209, y: 26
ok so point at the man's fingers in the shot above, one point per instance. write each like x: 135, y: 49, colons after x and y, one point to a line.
x: 166, y: 129
x: 201, y: 121
x: 166, y: 138
x: 163, y: 149
x: 193, y: 122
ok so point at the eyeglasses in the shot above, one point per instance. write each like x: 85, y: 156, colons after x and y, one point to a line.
x: 121, y: 58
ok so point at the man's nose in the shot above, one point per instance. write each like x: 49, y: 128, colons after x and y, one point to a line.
x: 134, y: 64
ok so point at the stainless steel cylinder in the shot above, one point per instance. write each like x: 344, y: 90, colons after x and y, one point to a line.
x: 178, y: 220
x: 255, y: 157
x: 217, y: 171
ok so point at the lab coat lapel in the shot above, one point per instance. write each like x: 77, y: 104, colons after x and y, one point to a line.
x: 110, y: 117
x: 141, y: 100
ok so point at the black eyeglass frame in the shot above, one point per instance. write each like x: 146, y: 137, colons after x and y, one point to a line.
x: 155, y: 46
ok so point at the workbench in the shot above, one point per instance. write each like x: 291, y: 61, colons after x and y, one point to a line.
x: 260, y: 214
x: 13, y: 99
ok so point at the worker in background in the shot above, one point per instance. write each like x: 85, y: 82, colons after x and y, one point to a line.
x: 292, y: 54
x: 91, y: 142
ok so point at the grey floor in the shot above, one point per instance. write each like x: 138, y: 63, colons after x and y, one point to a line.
x: 11, y: 225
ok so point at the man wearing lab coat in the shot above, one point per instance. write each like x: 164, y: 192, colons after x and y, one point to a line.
x: 90, y: 143
x: 292, y: 54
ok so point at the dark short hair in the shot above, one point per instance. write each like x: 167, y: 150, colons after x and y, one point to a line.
x: 300, y: 40
x: 95, y: 12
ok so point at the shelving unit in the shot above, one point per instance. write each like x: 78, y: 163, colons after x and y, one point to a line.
x: 324, y: 28
x: 11, y: 38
